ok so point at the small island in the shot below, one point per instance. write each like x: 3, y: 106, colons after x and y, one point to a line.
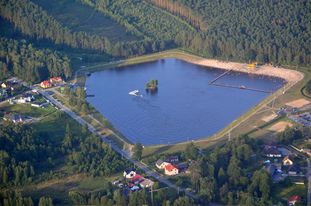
x: 152, y: 86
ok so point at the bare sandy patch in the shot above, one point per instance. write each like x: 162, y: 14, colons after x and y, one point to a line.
x: 280, y: 126
x: 298, y: 103
x: 269, y: 117
x: 291, y: 76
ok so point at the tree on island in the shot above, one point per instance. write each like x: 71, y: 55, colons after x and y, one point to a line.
x: 152, y: 85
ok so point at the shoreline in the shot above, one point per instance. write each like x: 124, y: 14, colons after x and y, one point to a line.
x: 290, y: 76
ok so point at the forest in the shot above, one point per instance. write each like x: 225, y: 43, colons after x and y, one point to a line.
x: 274, y: 32
x: 231, y: 30
x: 33, y: 65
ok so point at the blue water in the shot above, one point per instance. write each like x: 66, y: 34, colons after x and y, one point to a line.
x: 185, y: 107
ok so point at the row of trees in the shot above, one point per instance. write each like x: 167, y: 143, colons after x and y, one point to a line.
x: 31, y: 64
x: 14, y: 198
x: 110, y: 197
x: 77, y: 99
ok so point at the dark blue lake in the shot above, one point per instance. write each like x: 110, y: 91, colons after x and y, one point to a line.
x: 185, y: 107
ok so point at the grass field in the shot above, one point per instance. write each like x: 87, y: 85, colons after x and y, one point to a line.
x: 26, y: 109
x: 79, y: 17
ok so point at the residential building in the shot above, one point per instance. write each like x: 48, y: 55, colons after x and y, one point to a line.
x: 172, y: 159
x: 170, y: 169
x: 272, y: 152
x: 160, y: 164
x: 137, y: 179
x: 15, y: 118
x: 56, y: 80
x: 293, y: 200
x: 45, y: 84
x: 3, y: 85
x: 287, y: 161
x: 129, y: 173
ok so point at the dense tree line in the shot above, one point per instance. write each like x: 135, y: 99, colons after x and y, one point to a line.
x: 33, y: 65
x: 266, y: 31
x: 292, y: 134
x: 182, y: 11
x: 14, y: 198
x: 116, y: 197
x: 17, y: 153
x: 32, y: 20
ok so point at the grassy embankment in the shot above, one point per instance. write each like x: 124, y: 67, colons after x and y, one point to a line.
x: 97, y: 121
x: 236, y: 126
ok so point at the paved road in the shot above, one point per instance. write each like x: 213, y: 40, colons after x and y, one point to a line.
x: 113, y: 146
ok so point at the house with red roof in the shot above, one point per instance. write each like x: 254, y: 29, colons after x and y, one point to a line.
x: 293, y: 200
x: 137, y: 179
x: 45, y: 84
x: 170, y: 169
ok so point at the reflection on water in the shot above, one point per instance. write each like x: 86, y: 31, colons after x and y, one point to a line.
x: 184, y: 108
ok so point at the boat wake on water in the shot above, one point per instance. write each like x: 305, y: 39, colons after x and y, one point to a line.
x: 135, y: 93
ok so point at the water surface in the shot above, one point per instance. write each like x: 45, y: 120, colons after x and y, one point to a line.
x: 185, y: 107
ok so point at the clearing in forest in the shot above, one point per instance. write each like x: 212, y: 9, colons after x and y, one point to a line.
x: 79, y: 17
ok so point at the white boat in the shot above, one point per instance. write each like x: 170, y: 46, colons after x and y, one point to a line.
x: 135, y: 93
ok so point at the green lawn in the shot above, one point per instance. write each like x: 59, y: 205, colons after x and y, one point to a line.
x: 27, y: 110
x: 79, y: 17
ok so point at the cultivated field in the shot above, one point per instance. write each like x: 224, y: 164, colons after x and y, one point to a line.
x: 79, y: 17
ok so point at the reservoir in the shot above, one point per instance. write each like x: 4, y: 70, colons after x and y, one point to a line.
x: 184, y: 108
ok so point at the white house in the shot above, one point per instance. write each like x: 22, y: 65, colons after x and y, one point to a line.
x: 161, y: 164
x: 129, y: 173
x: 287, y: 161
